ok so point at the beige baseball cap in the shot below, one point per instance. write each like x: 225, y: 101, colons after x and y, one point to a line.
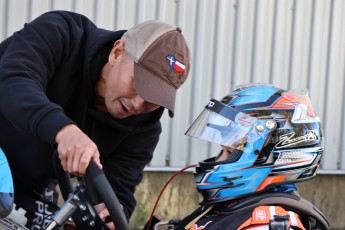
x: 161, y: 61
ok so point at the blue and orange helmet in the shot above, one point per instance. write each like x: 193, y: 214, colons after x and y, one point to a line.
x: 280, y: 139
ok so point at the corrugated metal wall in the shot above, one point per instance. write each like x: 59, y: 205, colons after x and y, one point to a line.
x: 292, y: 44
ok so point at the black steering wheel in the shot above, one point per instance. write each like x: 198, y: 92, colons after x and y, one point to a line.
x: 98, y: 187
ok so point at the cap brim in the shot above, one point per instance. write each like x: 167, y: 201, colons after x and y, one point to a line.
x: 153, y: 89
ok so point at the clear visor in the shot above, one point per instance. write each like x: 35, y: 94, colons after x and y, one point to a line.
x: 221, y: 125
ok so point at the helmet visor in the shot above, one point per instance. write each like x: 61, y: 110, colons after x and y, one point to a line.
x: 221, y: 124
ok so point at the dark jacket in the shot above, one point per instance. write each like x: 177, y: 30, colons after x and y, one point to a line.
x: 47, y: 75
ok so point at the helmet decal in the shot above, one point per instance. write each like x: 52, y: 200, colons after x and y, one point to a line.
x: 292, y: 99
x: 288, y: 140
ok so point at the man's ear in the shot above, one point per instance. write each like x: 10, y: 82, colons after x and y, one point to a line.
x: 117, y: 50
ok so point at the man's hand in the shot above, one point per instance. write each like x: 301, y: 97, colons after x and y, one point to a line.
x: 103, y: 213
x: 75, y: 150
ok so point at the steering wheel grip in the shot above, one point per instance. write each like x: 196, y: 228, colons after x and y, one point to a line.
x: 106, y: 193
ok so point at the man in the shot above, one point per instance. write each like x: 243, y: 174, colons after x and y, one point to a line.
x: 92, y: 94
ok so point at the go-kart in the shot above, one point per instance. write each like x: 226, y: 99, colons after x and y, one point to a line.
x: 79, y: 200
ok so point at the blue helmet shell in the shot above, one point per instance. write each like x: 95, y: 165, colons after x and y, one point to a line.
x: 288, y: 152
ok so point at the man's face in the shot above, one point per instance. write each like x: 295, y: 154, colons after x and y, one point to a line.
x: 121, y: 97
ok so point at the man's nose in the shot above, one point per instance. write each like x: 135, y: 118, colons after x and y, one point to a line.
x: 138, y: 104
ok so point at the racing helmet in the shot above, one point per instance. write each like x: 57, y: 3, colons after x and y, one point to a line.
x: 275, y: 137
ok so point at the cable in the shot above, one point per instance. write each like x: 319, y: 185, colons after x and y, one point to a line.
x: 165, y: 186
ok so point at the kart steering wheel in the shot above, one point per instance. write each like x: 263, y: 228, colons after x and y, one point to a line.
x: 96, y: 184
x: 107, y: 195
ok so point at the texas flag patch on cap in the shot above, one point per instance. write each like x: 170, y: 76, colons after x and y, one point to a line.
x: 176, y: 65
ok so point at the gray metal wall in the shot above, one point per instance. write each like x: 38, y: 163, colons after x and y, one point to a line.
x: 292, y: 44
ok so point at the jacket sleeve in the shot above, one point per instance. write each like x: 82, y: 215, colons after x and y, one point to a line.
x: 124, y: 168
x: 28, y: 61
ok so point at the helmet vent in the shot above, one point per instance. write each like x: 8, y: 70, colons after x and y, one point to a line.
x: 293, y: 157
